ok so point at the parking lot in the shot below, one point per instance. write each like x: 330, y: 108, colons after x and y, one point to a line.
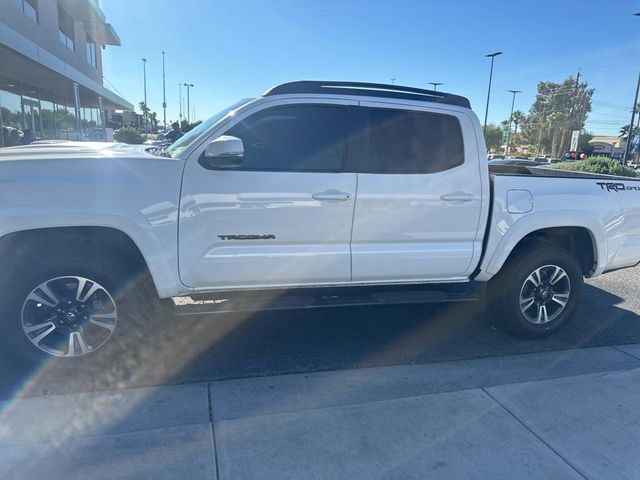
x: 239, y: 345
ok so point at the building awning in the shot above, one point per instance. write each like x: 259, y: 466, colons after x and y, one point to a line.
x: 102, y: 33
x: 51, y: 78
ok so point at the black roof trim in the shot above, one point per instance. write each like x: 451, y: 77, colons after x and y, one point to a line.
x: 369, y: 90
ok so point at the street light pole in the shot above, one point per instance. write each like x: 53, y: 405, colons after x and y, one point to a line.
x: 435, y: 85
x: 164, y: 96
x: 188, y: 85
x: 393, y: 80
x: 627, y: 147
x: 486, y: 112
x: 513, y: 101
x: 144, y: 76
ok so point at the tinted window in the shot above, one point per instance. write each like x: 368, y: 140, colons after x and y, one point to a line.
x: 65, y: 28
x: 413, y: 142
x: 296, y: 138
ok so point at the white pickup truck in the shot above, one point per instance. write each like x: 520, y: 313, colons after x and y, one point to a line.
x: 347, y: 192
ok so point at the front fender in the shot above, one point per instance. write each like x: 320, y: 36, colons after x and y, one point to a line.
x: 160, y: 255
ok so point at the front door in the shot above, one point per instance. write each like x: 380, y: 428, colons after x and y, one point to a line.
x: 283, y: 217
x: 419, y: 197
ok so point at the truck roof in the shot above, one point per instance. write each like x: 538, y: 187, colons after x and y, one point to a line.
x: 368, y: 90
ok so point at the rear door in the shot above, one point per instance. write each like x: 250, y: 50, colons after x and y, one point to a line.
x: 419, y: 199
x: 281, y: 218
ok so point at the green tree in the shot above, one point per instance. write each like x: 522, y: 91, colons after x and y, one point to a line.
x: 517, y: 118
x: 624, y: 131
x: 583, y: 142
x: 555, y: 123
x: 145, y: 112
x: 493, y: 137
x: 143, y: 108
x: 186, y: 126
x: 153, y: 118
x: 571, y: 100
x: 128, y: 135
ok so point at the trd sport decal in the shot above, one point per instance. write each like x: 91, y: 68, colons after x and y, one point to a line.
x: 616, y: 186
x: 269, y: 236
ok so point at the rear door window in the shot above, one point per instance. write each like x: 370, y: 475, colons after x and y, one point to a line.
x: 406, y: 141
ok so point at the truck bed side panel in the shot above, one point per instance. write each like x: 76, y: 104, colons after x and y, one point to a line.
x: 611, y: 215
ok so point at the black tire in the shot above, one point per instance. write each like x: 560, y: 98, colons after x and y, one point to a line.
x: 131, y: 290
x: 506, y: 288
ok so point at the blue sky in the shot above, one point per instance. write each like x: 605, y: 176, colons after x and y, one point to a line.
x: 238, y: 48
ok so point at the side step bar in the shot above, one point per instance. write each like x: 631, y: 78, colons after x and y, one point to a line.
x: 323, y: 297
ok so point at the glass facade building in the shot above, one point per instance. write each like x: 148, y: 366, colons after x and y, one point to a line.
x: 51, y: 71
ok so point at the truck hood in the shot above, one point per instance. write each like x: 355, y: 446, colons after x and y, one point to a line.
x: 63, y: 149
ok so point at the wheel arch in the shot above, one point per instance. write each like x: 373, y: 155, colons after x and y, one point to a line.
x: 583, y: 237
x: 577, y: 240
x: 17, y: 246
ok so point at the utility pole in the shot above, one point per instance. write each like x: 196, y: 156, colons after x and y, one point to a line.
x: 180, y: 98
x: 547, y: 98
x: 513, y: 101
x: 435, y: 85
x: 144, y: 76
x: 188, y: 85
x: 164, y: 97
x: 544, y: 107
x: 627, y: 147
x: 486, y: 112
x: 393, y: 80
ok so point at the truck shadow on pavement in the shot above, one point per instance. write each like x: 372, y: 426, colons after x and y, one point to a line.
x: 234, y: 345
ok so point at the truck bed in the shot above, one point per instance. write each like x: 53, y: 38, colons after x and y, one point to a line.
x: 551, y: 172
x: 524, y: 200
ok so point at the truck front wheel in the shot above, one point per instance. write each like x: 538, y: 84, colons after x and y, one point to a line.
x: 76, y: 305
x: 537, y: 292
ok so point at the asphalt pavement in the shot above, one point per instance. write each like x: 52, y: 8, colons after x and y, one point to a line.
x: 239, y: 345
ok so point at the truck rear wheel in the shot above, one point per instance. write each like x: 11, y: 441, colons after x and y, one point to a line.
x: 76, y: 305
x: 538, y: 290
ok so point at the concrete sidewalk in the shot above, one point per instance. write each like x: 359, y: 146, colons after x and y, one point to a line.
x: 569, y: 414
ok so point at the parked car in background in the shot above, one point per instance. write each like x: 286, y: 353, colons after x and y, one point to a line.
x: 546, y: 159
x: 495, y: 156
x: 11, y: 136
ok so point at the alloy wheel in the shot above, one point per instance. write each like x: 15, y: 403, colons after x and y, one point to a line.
x: 69, y: 316
x: 545, y: 294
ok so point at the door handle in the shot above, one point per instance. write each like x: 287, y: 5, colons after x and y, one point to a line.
x: 335, y: 195
x: 457, y: 197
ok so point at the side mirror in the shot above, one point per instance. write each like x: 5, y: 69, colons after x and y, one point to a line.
x: 223, y: 152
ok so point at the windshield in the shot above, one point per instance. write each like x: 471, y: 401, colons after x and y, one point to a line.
x: 188, y: 138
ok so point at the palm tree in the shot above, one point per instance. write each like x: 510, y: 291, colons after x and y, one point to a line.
x: 624, y: 131
x: 153, y: 118
x: 518, y: 118
x: 145, y: 113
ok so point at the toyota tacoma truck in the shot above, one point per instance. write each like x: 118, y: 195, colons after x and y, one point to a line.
x: 339, y: 193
